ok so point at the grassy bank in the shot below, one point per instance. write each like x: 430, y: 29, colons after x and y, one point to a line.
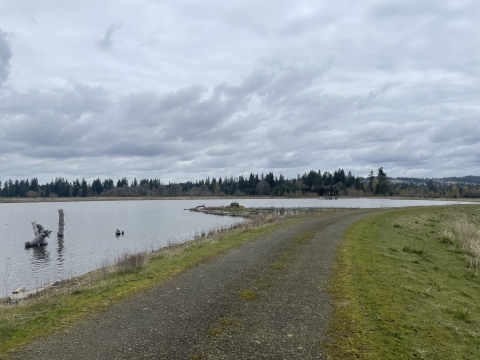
x: 93, y: 292
x: 403, y: 289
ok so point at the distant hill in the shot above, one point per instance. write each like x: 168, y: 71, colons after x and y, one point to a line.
x: 410, y: 179
x: 471, y: 179
x: 464, y: 179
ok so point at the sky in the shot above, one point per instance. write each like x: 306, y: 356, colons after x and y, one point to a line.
x: 181, y: 90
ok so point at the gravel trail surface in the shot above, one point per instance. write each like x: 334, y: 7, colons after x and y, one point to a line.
x: 265, y: 299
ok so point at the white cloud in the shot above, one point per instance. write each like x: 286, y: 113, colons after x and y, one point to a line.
x: 5, y: 57
x: 225, y: 88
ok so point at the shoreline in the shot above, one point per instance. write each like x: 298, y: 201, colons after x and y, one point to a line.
x: 87, y: 294
x: 229, y: 198
x: 248, y: 223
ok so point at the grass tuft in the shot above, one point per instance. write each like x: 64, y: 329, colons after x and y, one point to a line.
x: 459, y: 314
x: 412, y: 250
x: 130, y: 263
x: 215, y: 332
x: 304, y: 238
x: 247, y: 295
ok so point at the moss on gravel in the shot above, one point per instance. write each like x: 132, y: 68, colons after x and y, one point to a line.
x: 247, y: 295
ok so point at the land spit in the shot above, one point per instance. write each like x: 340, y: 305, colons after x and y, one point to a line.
x: 264, y: 299
x: 246, y: 212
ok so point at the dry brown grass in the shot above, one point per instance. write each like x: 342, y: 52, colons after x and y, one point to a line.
x: 464, y: 236
x: 131, y: 262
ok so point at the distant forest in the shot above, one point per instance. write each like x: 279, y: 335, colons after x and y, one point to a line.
x: 311, y: 184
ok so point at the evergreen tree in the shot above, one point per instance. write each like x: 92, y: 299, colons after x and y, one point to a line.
x: 97, y: 186
x: 383, y: 185
x: 76, y: 188
x: 371, y: 179
x: 270, y: 179
x: 34, y: 184
x: 108, y: 184
x: 84, y: 188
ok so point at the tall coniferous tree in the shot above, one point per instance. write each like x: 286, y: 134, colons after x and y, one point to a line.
x: 382, y: 182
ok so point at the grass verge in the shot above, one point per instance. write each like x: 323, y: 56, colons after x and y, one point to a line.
x: 400, y: 291
x: 95, y: 291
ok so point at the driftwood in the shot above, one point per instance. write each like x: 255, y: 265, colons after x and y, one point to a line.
x: 40, y: 235
x: 195, y: 208
x: 19, y: 290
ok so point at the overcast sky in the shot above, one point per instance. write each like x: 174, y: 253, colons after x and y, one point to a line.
x: 181, y: 90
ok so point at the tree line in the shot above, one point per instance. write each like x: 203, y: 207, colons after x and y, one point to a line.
x: 313, y: 183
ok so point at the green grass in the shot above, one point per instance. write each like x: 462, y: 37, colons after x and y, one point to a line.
x: 19, y: 325
x: 401, y: 292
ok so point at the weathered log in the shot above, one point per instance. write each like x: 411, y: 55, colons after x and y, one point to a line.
x: 35, y: 228
x: 40, y: 235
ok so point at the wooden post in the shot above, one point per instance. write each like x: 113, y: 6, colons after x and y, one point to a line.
x: 61, y: 223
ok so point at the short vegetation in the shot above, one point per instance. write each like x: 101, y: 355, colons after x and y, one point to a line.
x: 407, y: 285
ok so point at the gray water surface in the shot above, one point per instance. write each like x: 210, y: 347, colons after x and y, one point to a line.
x: 89, y: 240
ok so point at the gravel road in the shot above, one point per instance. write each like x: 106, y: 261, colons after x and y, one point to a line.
x: 203, y: 313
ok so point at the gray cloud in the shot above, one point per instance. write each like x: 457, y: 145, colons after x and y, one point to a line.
x: 466, y: 131
x: 276, y: 118
x: 373, y: 95
x: 107, y: 41
x: 227, y: 88
x: 5, y: 57
x: 151, y: 41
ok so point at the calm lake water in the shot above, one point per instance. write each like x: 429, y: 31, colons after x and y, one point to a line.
x: 90, y: 241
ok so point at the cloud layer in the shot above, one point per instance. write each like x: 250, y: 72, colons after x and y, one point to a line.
x: 189, y: 91
x: 5, y: 56
x: 106, y: 42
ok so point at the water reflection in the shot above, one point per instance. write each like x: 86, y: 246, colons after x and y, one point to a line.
x: 40, y: 255
x: 60, y: 247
